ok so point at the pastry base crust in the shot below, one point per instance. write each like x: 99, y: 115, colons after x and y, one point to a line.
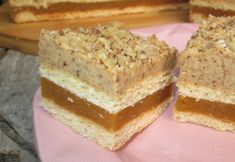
x: 204, y: 120
x: 219, y: 116
x: 109, y: 140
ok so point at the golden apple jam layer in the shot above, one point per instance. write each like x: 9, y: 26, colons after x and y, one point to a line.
x: 206, y: 11
x: 72, y: 103
x: 71, y: 6
x: 218, y: 110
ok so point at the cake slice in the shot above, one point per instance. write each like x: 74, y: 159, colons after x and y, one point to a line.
x: 106, y: 83
x: 207, y: 76
x: 41, y: 10
x: 201, y: 9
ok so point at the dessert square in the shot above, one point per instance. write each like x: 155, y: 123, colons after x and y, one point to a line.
x: 106, y: 83
x: 201, y: 9
x: 32, y: 10
x: 207, y: 76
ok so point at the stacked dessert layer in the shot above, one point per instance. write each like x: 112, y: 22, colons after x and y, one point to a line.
x: 201, y: 9
x: 207, y: 76
x: 31, y: 10
x: 105, y: 83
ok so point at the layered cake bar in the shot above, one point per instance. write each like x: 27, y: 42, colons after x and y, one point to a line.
x: 207, y: 76
x: 41, y: 10
x: 105, y: 83
x: 201, y: 9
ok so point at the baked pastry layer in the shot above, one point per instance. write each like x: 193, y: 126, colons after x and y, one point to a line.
x: 112, y: 122
x: 112, y: 104
x: 200, y: 9
x: 105, y: 138
x: 47, y: 3
x: 207, y: 77
x: 66, y: 5
x: 71, y: 10
x: 207, y: 93
x: 105, y: 82
x: 216, y: 110
x: 216, y: 4
x: 220, y: 116
x: 109, y: 58
x: 198, y: 14
x: 209, y: 10
x: 208, y: 62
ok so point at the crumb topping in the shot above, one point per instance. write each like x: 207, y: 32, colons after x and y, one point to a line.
x: 112, y: 46
x: 217, y: 33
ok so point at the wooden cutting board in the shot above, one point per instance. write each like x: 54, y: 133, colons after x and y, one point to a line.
x: 24, y: 37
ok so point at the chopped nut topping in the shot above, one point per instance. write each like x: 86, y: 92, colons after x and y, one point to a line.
x: 221, y: 43
x: 215, y: 32
x: 231, y: 44
x: 111, y: 46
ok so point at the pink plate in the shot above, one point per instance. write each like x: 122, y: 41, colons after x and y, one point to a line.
x: 165, y: 140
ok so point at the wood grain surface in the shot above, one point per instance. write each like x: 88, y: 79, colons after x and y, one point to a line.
x: 24, y: 37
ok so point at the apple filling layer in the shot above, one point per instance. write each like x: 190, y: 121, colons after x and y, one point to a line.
x: 207, y: 10
x: 217, y: 110
x: 71, y: 6
x: 112, y: 122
